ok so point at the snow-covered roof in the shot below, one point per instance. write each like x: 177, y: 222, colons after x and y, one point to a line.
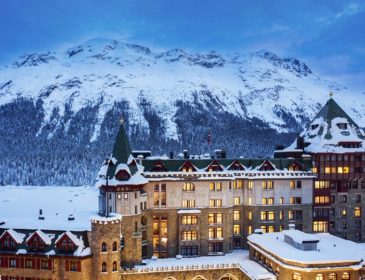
x: 19, y: 207
x: 122, y: 166
x: 237, y: 259
x: 47, y: 239
x: 329, y: 132
x: 72, y: 236
x: 330, y: 249
x: 189, y: 211
x: 17, y: 236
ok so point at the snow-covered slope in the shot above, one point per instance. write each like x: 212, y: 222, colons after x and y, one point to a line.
x: 102, y: 71
x: 171, y: 99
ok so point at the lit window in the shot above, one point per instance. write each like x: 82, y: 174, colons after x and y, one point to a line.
x: 236, y: 215
x: 249, y: 230
x: 236, y: 229
x: 281, y: 215
x: 115, y: 268
x: 332, y: 276
x: 188, y: 187
x: 345, y: 276
x: 320, y: 226
x: 314, y: 169
x: 250, y: 185
x: 319, y: 276
x: 327, y: 170
x: 188, y: 203
x: 297, y: 276
x: 249, y: 201
x: 292, y: 184
x: 189, y: 220
x: 321, y: 184
x: 357, y: 212
x: 189, y: 235
x: 237, y: 200
x: 250, y: 215
x: 281, y: 200
x: 346, y: 169
x: 212, y: 186
x: 343, y: 212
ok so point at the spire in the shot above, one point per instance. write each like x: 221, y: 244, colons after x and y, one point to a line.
x: 122, y: 150
x: 331, y: 94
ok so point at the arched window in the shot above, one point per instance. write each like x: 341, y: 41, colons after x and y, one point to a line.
x: 114, y: 246
x: 297, y: 276
x: 115, y: 266
x: 345, y: 276
x: 228, y: 276
x: 199, y: 278
x: 104, y: 248
x: 332, y: 276
x: 319, y: 276
x: 103, y: 267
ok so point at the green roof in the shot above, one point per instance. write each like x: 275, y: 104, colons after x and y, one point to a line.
x: 121, y: 152
x: 173, y: 165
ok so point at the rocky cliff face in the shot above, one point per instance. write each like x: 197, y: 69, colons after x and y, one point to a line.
x: 59, y: 111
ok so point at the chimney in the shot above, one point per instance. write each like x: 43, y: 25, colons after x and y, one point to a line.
x: 40, y: 217
x: 279, y: 147
x: 186, y: 154
x: 300, y: 142
x: 71, y: 217
x: 171, y: 155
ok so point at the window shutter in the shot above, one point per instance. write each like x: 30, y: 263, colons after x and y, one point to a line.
x: 49, y: 264
x: 78, y: 266
x: 33, y: 263
x: 6, y: 262
x: 21, y: 262
x: 67, y: 265
x: 38, y: 263
x: 17, y: 260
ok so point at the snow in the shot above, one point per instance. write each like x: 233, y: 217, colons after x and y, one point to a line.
x: 19, y: 206
x: 330, y: 249
x: 300, y: 236
x: 122, y: 166
x: 238, y: 258
x: 136, y: 179
x: 105, y: 71
x: 73, y: 238
x: 47, y: 238
x: 18, y: 237
x: 189, y: 211
x: 113, y: 217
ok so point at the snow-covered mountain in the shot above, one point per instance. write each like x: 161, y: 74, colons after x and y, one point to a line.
x: 62, y: 107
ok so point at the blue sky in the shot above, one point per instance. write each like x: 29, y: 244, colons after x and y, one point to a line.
x: 328, y: 35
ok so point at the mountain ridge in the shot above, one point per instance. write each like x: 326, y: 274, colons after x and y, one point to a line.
x: 170, y: 99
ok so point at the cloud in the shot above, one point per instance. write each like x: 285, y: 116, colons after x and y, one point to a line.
x: 350, y: 10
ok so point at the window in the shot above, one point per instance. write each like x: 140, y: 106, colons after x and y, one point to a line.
x: 215, y: 202
x: 321, y: 184
x: 249, y: 230
x: 250, y: 185
x: 358, y: 198
x: 115, y: 266
x: 267, y: 184
x: 236, y: 229
x: 212, y: 186
x: 114, y: 246
x: 189, y: 250
x: 319, y: 276
x: 237, y: 200
x: 250, y: 215
x: 215, y: 218
x: 44, y: 264
x: 267, y: 200
x: 357, y: 212
x: 7, y: 242
x: 249, y: 202
x: 189, y: 235
x: 345, y: 276
x: 28, y: 263
x: 291, y: 215
x: 36, y: 243
x: 215, y: 247
x: 332, y: 276
x: 215, y: 233
x: 321, y: 199
x: 73, y: 266
x: 292, y: 184
x: 189, y: 187
x: 297, y: 276
x: 125, y: 196
x: 281, y: 215
x: 104, y: 267
x: 188, y: 203
x: 327, y: 170
x: 104, y: 247
x: 320, y: 226
x: 12, y: 263
x: 343, y: 198
x: 344, y: 212
x: 189, y: 220
x: 295, y: 200
x: 218, y: 186
x: 281, y: 200
x: 236, y: 215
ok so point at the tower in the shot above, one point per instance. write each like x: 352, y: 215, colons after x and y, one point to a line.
x: 121, y: 191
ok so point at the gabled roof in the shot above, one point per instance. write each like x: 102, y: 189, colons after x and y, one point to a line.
x: 18, y: 237
x: 46, y: 238
x: 69, y: 235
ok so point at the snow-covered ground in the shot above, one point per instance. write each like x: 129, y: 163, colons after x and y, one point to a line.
x: 19, y: 207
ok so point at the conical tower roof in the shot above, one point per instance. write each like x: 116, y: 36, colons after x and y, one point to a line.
x: 122, y: 149
x: 331, y: 129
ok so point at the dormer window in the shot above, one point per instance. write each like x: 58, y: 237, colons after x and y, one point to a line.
x: 236, y: 165
x: 314, y: 126
x: 214, y: 166
x: 7, y: 242
x: 159, y: 167
x: 36, y: 243
x: 122, y: 175
x: 267, y: 166
x: 187, y: 167
x: 65, y: 244
x: 342, y: 125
